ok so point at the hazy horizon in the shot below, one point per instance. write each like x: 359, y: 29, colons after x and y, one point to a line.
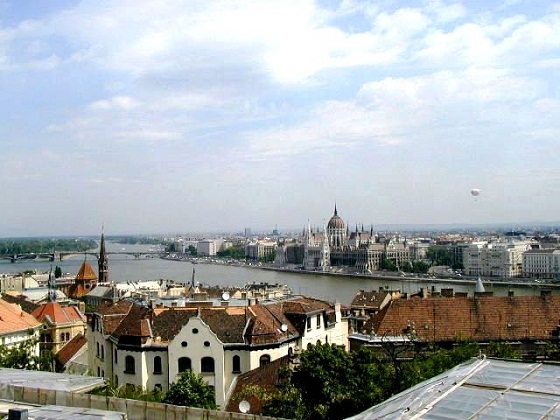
x: 183, y: 116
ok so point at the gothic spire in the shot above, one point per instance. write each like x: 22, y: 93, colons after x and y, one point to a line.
x: 102, y: 263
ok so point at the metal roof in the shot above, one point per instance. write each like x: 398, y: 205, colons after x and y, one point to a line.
x: 49, y: 380
x: 479, y: 388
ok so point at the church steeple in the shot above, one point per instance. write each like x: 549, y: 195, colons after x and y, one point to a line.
x: 52, y: 287
x: 103, y: 264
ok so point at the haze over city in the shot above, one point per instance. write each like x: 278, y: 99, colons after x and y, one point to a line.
x: 178, y: 116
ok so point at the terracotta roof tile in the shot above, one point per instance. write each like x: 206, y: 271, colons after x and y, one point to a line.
x: 226, y: 324
x: 371, y: 300
x: 22, y: 301
x: 112, y: 313
x: 55, y: 313
x: 480, y: 318
x: 167, y: 322
x: 86, y: 272
x: 13, y: 318
x: 66, y: 353
x: 135, y: 324
x: 267, y: 377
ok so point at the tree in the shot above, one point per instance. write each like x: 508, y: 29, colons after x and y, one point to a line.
x: 22, y: 356
x: 387, y: 264
x: 57, y: 272
x: 343, y: 384
x: 190, y: 390
x: 502, y: 350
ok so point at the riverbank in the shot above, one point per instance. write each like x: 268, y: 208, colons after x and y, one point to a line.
x: 376, y: 276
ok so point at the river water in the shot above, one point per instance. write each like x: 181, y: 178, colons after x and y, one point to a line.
x: 332, y: 288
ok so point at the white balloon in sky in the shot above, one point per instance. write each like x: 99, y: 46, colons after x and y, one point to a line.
x: 475, y: 192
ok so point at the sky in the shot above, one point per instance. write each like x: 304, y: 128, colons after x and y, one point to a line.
x: 194, y: 116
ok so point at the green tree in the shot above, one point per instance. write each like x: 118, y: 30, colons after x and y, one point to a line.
x: 190, y: 390
x: 342, y: 384
x: 192, y: 250
x: 502, y: 350
x: 57, y: 272
x: 22, y: 356
x: 387, y: 264
x: 236, y: 252
x: 130, y: 392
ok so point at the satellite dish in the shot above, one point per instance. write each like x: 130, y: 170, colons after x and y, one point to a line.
x: 225, y: 296
x: 284, y: 327
x: 244, y: 406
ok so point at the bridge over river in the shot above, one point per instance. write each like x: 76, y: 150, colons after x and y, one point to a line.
x: 60, y: 255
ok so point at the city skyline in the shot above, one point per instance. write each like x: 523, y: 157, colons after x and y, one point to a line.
x: 180, y: 116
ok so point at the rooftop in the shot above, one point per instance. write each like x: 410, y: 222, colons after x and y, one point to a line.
x: 49, y: 380
x: 479, y: 388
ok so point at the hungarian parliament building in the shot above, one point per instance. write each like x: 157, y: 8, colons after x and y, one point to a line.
x: 335, y: 245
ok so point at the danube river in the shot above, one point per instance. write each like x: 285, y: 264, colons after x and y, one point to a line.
x: 123, y: 268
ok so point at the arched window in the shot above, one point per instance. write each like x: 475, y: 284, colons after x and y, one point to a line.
x: 129, y: 364
x: 264, y: 360
x: 207, y: 365
x: 67, y: 336
x: 61, y: 336
x: 157, y: 364
x: 184, y: 364
x: 236, y: 361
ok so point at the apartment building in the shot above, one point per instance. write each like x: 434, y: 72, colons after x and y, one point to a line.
x: 148, y: 347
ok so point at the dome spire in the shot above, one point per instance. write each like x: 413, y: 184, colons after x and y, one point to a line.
x: 335, y: 212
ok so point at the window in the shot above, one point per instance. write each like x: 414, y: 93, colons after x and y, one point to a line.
x: 236, y: 364
x: 116, y: 357
x: 207, y: 344
x: 97, y: 353
x: 67, y: 336
x: 184, y: 364
x: 195, y: 330
x: 308, y: 324
x: 129, y: 364
x: 318, y: 321
x: 62, y: 337
x: 264, y: 360
x: 116, y: 381
x: 158, y: 388
x: 157, y: 365
x: 102, y: 351
x: 207, y: 365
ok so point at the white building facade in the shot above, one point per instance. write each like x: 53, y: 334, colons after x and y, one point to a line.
x: 150, y: 347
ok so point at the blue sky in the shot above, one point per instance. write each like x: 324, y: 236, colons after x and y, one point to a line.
x: 187, y: 116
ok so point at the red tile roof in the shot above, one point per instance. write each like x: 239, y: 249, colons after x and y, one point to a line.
x: 266, y: 377
x: 86, y: 272
x: 112, y: 313
x: 70, y: 349
x: 55, y: 313
x: 369, y: 300
x: 13, y: 318
x: 479, y: 318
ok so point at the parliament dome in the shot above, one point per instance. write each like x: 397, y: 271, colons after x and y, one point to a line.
x: 336, y: 221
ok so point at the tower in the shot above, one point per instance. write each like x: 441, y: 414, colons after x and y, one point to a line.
x: 336, y: 230
x: 103, y: 264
